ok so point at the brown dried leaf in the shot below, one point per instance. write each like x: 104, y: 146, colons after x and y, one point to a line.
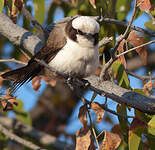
x: 136, y: 40
x: 109, y: 119
x: 121, y: 50
x: 92, y: 2
x: 36, y: 83
x: 97, y: 108
x: 148, y: 87
x: 83, y: 115
x: 13, y: 12
x: 19, y: 4
x: 74, y: 2
x: 8, y: 101
x: 49, y: 81
x: 23, y: 58
x: 84, y: 140
x: 144, y: 5
x: 1, y: 80
x: 137, y: 123
x: 111, y: 141
x: 117, y: 129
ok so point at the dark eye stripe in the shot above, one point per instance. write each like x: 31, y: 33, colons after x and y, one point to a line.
x: 95, y: 38
x: 80, y: 32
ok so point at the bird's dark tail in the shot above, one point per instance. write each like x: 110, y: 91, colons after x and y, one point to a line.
x: 22, y: 75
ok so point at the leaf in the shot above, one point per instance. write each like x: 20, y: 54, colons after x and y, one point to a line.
x: 120, y: 74
x: 19, y: 4
x: 122, y: 8
x: 1, y: 5
x: 136, y: 40
x: 21, y: 114
x: 8, y: 101
x: 121, y: 50
x: 151, y: 126
x: 117, y: 129
x: 84, y: 140
x: 99, y: 111
x: 135, y: 131
x: 148, y: 87
x: 121, y: 109
x: 49, y: 81
x: 1, y: 80
x: 39, y: 7
x: 149, y: 25
x: 36, y: 83
x: 92, y: 2
x: 144, y: 5
x: 111, y: 141
x: 14, y: 11
x: 83, y: 115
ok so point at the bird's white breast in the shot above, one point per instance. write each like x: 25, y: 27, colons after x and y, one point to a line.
x: 76, y: 60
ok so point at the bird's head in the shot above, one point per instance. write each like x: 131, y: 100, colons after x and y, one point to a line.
x: 83, y: 30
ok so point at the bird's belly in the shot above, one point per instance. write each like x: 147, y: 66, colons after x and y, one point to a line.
x: 79, y: 62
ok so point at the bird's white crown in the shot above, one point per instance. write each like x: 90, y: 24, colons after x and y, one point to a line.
x: 86, y: 24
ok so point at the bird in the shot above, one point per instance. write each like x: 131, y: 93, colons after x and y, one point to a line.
x: 71, y: 48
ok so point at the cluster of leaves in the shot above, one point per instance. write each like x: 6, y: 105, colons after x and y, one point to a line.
x: 83, y: 135
x: 140, y: 133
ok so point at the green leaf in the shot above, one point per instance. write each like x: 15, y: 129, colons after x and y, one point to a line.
x: 123, y: 146
x: 39, y: 6
x: 134, y: 140
x: 122, y: 8
x: 1, y: 5
x: 121, y: 109
x: 139, y: 91
x: 151, y: 141
x: 51, y: 11
x: 137, y: 128
x: 73, y: 12
x: 21, y: 114
x: 120, y: 74
x: 149, y: 25
x: 151, y: 126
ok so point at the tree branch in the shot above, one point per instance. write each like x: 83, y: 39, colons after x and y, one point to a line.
x: 129, y: 50
x: 41, y: 137
x: 118, y: 41
x: 19, y: 36
x: 121, y: 95
x: 111, y: 90
x: 13, y: 60
x: 125, y: 24
x: 18, y: 139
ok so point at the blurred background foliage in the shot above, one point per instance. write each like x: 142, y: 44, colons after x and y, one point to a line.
x: 56, y: 105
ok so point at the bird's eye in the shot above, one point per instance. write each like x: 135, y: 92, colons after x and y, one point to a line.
x: 80, y: 32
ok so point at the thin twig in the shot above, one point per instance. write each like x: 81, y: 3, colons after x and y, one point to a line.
x: 118, y: 41
x: 127, y: 29
x: 13, y: 60
x: 36, y: 24
x: 91, y: 124
x: 143, y: 78
x: 151, y: 16
x: 19, y: 139
x: 105, y: 40
x: 41, y: 137
x: 115, y: 113
x: 150, y: 42
x: 125, y: 24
